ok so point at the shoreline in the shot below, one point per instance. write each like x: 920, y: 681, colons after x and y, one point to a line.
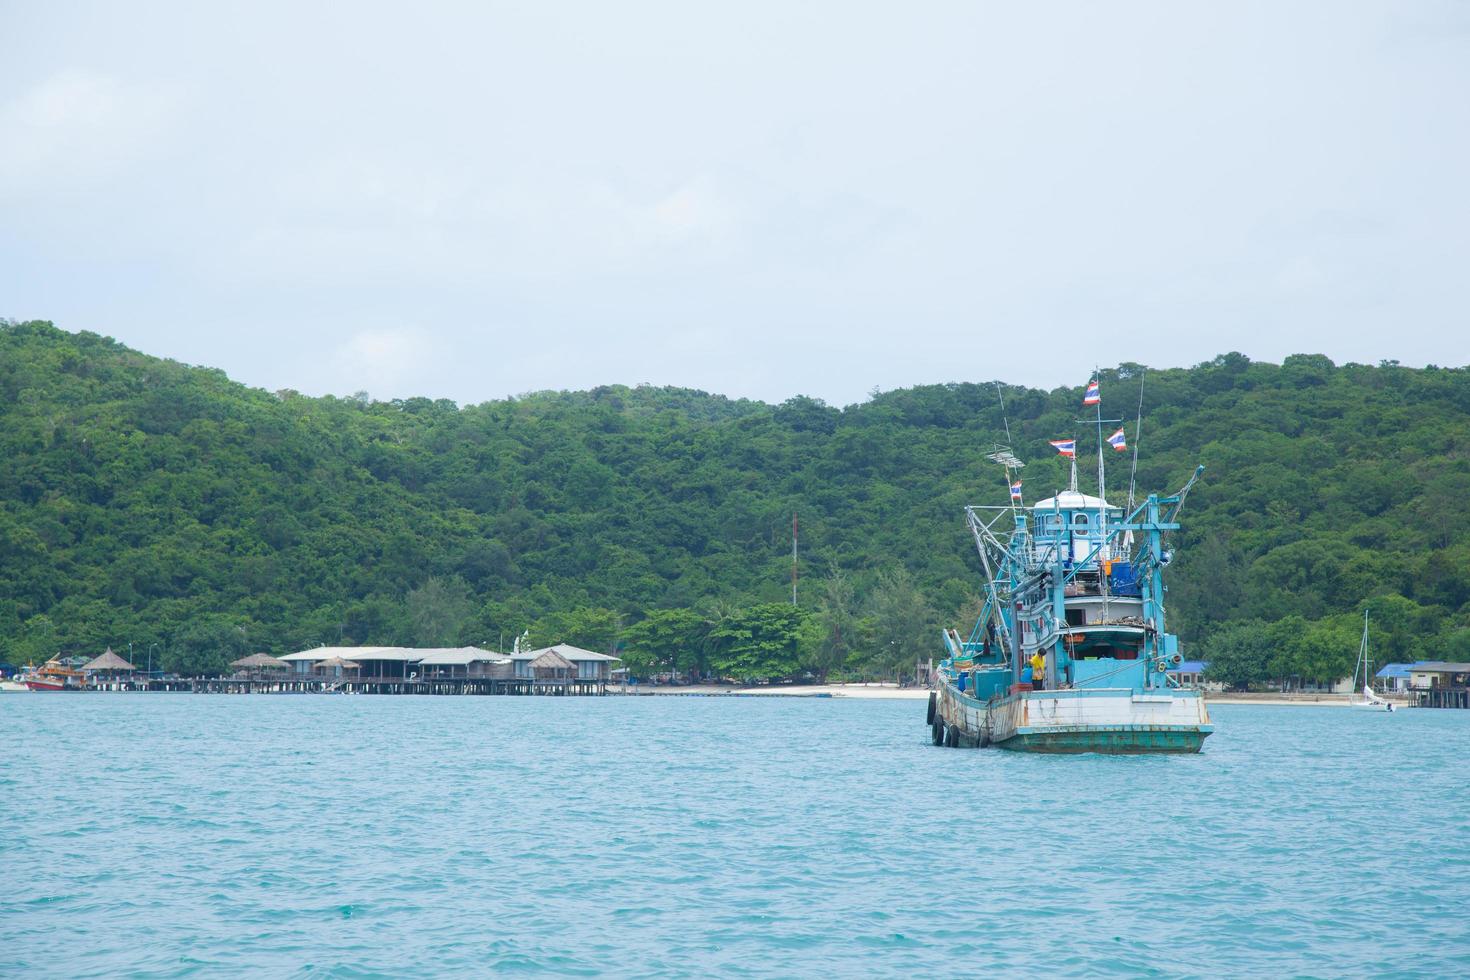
x: 891, y: 692
x: 1296, y: 700
x: 869, y: 691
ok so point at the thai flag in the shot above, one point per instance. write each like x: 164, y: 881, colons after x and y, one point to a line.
x: 1118, y: 441
x: 1016, y: 490
x: 1093, y: 396
x: 1067, y: 447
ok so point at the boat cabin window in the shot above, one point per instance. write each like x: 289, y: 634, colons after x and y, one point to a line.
x: 1076, y: 617
x: 1079, y: 520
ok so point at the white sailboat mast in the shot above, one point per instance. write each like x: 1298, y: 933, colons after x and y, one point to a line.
x: 1363, y: 652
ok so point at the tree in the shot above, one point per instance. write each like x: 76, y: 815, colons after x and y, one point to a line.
x: 838, y: 621
x: 1238, y: 654
x: 139, y: 495
x: 1207, y: 584
x: 591, y: 628
x: 904, y: 627
x: 437, y: 610
x: 39, y: 642
x: 1457, y: 646
x: 1326, y: 650
x: 207, y: 646
x: 762, y: 642
x: 665, y: 640
x: 1400, y: 629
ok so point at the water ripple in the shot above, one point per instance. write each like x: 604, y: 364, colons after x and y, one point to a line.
x: 174, y: 836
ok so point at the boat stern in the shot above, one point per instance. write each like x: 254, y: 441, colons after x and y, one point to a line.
x: 1115, y: 722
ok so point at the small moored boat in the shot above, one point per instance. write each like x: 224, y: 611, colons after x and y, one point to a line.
x: 1368, y: 700
x: 53, y: 675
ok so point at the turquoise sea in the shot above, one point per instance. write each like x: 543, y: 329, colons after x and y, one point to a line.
x: 185, y: 835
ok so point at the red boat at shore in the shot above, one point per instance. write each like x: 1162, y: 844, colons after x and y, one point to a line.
x: 53, y: 676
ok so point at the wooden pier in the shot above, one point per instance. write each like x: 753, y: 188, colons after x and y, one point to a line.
x: 293, y: 684
x: 561, y: 670
x: 1444, y: 697
x: 514, y: 686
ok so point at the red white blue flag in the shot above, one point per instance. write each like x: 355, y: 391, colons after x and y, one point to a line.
x: 1093, y: 396
x: 1118, y: 441
x: 1016, y: 490
x: 1067, y: 447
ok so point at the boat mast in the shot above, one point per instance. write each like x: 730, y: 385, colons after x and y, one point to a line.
x: 1363, y: 654
x: 1137, y: 436
x: 1102, y: 509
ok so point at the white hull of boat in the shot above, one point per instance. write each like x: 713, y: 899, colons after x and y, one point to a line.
x: 1079, y: 720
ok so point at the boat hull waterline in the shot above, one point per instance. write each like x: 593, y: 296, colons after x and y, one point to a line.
x: 1068, y: 722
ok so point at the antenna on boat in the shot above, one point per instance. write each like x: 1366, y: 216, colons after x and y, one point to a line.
x: 1008, y: 459
x: 1003, y: 454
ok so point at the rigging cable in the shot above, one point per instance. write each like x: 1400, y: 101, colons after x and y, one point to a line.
x: 1003, y: 420
x: 1137, y: 435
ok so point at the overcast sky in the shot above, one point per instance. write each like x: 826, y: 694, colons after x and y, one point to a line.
x: 475, y: 200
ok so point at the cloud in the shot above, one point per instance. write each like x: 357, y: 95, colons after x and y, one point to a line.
x: 697, y: 208
x: 384, y: 360
x: 349, y: 220
x: 79, y: 125
x: 671, y: 196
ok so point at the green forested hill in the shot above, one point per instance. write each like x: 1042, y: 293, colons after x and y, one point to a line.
x: 146, y: 502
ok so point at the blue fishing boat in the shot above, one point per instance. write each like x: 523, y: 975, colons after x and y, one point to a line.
x: 1070, y: 652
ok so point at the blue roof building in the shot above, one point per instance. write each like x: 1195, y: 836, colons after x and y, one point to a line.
x: 1191, y: 673
x: 1395, y: 677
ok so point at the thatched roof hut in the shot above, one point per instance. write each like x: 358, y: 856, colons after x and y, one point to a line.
x: 107, y: 662
x: 260, y: 661
x: 584, y: 664
x: 550, y: 664
x: 338, y: 662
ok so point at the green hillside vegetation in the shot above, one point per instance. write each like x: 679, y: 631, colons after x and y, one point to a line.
x: 149, y: 503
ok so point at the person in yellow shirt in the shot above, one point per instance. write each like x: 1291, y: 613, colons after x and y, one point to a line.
x: 1038, y: 671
